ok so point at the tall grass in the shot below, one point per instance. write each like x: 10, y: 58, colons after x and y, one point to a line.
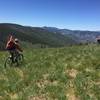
x: 71, y: 73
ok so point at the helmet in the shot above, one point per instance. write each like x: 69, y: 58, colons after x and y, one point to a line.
x: 16, y: 40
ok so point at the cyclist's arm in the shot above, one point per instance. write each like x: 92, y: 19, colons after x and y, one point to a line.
x: 19, y: 48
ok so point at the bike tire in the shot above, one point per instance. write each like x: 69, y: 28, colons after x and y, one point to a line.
x: 8, y: 62
x: 20, y: 59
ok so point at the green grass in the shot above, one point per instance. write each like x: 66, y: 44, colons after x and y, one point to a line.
x: 71, y: 73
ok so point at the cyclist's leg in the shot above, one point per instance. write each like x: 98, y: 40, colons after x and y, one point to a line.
x: 12, y: 55
x: 11, y: 52
x: 16, y: 54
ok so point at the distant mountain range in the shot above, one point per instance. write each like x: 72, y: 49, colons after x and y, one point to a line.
x: 33, y: 35
x: 47, y: 36
x: 78, y: 35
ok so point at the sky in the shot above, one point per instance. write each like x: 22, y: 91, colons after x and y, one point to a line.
x: 64, y: 14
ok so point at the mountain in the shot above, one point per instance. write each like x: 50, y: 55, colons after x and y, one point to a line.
x: 80, y: 36
x: 45, y: 36
x: 33, y: 35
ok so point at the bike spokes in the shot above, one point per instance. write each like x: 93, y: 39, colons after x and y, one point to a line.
x: 14, y: 61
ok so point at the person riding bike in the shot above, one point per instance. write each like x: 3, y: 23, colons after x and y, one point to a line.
x: 13, y: 47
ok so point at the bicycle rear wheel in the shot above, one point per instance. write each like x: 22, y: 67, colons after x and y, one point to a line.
x: 8, y: 62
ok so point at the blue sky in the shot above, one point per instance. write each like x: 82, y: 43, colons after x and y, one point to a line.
x: 69, y: 14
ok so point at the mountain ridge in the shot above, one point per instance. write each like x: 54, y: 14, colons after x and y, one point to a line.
x: 48, y: 36
x: 33, y: 35
x: 81, y: 36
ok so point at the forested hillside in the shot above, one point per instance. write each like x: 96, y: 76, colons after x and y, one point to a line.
x: 33, y: 35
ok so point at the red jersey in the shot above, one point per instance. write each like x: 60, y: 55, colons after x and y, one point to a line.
x: 10, y: 45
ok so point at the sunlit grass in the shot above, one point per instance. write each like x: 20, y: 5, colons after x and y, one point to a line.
x: 71, y: 73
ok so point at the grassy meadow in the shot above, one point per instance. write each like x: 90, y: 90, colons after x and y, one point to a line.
x: 70, y: 73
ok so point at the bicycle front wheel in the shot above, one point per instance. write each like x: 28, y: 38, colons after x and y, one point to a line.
x: 20, y: 58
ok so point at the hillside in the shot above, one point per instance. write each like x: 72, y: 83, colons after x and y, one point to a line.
x: 71, y: 73
x: 45, y: 36
x: 80, y: 36
x: 33, y: 35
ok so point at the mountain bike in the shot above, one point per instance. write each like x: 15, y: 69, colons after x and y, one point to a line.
x: 16, y: 60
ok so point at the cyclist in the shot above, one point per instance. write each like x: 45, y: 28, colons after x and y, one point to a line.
x: 13, y: 47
